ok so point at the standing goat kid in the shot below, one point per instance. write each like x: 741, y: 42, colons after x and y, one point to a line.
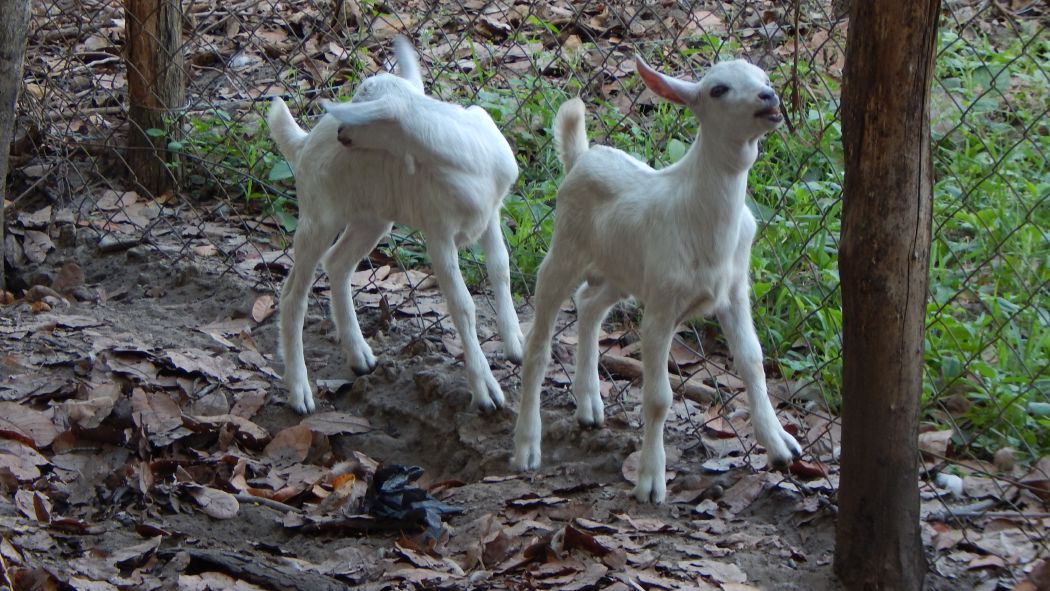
x: 677, y: 239
x: 390, y: 155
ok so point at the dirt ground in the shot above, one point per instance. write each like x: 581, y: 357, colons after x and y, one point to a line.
x: 147, y: 445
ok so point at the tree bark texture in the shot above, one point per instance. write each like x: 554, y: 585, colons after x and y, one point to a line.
x: 156, y: 90
x: 884, y: 269
x: 14, y: 26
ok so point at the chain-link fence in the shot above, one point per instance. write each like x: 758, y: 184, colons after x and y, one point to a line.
x: 987, y: 387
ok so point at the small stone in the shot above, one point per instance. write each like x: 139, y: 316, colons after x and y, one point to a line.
x: 1004, y: 459
x: 115, y: 243
x: 138, y: 253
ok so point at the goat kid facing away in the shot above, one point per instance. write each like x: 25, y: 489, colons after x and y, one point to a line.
x: 677, y: 239
x: 390, y: 155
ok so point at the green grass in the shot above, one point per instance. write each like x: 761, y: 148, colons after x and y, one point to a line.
x: 987, y: 342
x: 987, y: 337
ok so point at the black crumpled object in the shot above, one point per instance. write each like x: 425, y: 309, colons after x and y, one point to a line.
x: 391, y: 498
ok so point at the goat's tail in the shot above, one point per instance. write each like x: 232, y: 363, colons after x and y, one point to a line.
x: 570, y: 134
x: 285, y: 131
x: 407, y: 61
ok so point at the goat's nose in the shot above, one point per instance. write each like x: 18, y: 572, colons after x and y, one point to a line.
x: 769, y: 96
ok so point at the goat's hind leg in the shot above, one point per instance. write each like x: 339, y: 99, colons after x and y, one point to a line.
x: 310, y: 242
x: 485, y: 391
x: 739, y: 329
x: 498, y: 264
x: 358, y: 239
x: 558, y: 276
x: 594, y: 299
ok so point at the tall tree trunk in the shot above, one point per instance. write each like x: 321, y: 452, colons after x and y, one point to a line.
x: 884, y: 267
x: 14, y: 27
x: 156, y: 89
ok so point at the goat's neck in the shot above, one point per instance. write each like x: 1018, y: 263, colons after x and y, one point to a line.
x: 712, y: 176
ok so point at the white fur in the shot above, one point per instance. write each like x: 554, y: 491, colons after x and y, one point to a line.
x: 390, y: 155
x: 677, y: 239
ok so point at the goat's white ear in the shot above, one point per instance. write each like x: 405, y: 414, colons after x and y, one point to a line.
x: 363, y: 113
x: 672, y: 89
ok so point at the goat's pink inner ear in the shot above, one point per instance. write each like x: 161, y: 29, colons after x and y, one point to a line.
x: 657, y: 83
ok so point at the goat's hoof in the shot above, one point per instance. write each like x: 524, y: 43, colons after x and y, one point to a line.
x: 590, y: 411
x: 489, y: 397
x: 361, y: 360
x: 784, y: 450
x: 364, y: 369
x: 650, y: 489
x: 485, y: 406
x: 301, y: 398
x: 514, y: 347
x: 589, y: 424
x: 526, y: 457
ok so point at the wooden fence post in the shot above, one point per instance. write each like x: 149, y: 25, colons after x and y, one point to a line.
x: 884, y: 269
x: 156, y: 89
x: 14, y: 27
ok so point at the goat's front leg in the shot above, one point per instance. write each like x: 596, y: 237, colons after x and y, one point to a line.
x: 485, y: 391
x: 498, y: 264
x: 735, y: 319
x: 593, y: 301
x: 557, y: 277
x: 658, y: 324
x: 357, y: 240
x: 310, y: 242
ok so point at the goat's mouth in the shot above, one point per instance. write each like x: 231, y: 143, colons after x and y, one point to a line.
x: 772, y: 114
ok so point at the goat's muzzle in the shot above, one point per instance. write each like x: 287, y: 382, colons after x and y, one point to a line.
x: 344, y: 135
x: 771, y: 111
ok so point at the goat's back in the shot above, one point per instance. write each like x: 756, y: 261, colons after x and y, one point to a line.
x: 626, y: 222
x: 336, y: 182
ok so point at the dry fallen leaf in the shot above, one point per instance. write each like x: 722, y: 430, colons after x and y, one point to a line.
x: 158, y: 415
x: 721, y: 572
x: 216, y: 503
x: 37, y: 245
x: 22, y: 460
x: 205, y: 250
x: 134, y: 556
x: 337, y: 423
x: 209, y: 581
x: 33, y: 504
x: 198, y: 361
x: 263, y: 307
x: 531, y: 500
x: 290, y: 445
x: 934, y: 444
x: 34, y: 423
x: 808, y: 470
x: 740, y: 496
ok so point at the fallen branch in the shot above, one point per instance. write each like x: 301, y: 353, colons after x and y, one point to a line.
x: 631, y: 369
x: 259, y: 572
x: 37, y: 183
x: 252, y: 499
x: 971, y: 510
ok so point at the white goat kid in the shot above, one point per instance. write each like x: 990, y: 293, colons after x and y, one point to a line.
x: 677, y: 239
x: 390, y: 155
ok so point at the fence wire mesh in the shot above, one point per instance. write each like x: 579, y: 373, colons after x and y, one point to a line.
x: 986, y: 421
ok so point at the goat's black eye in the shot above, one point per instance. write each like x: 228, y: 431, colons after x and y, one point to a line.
x: 719, y: 90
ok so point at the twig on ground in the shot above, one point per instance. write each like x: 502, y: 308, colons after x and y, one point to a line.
x: 628, y: 368
x: 28, y: 191
x: 276, y: 505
